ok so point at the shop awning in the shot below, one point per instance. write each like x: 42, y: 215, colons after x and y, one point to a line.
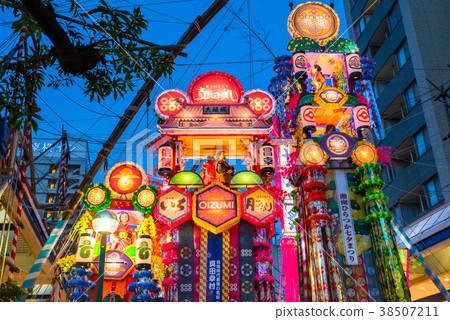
x: 432, y: 228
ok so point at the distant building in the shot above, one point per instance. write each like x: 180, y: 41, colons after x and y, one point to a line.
x: 47, y: 171
x: 408, y: 41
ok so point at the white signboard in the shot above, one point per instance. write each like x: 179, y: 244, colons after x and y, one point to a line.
x: 346, y: 217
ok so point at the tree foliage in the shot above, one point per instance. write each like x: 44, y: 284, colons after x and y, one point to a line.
x: 10, y: 291
x: 102, y: 53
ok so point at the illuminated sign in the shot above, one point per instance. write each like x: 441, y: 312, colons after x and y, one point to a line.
x: 258, y: 206
x: 261, y: 102
x: 216, y: 208
x: 330, y: 98
x: 117, y: 265
x: 311, y: 153
x: 313, y: 20
x: 174, y: 207
x: 169, y: 102
x: 364, y: 152
x: 215, y: 88
x: 346, y: 217
x: 337, y: 145
x: 123, y: 179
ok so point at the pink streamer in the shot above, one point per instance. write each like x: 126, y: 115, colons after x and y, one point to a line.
x: 290, y: 269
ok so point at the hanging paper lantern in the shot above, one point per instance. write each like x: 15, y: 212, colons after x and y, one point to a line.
x: 300, y: 70
x: 353, y: 66
x: 165, y: 160
x: 308, y: 117
x: 85, y: 249
x: 144, y: 252
x: 266, y: 159
x: 361, y: 117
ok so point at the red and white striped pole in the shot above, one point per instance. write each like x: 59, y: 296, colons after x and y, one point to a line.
x: 23, y: 178
x: 63, y: 174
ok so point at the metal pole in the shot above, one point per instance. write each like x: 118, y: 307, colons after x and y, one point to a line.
x: 101, y: 268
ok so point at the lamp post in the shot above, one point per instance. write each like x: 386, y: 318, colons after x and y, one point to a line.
x: 104, y: 223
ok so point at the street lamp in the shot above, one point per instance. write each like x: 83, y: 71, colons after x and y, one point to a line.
x: 104, y: 223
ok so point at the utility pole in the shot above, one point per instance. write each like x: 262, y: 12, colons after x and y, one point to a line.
x: 194, y: 29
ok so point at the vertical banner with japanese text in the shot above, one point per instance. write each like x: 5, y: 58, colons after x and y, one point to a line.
x: 214, y: 268
x: 346, y: 218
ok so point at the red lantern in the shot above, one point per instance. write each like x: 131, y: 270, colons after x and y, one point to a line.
x: 165, y: 160
x: 308, y: 117
x: 361, y: 117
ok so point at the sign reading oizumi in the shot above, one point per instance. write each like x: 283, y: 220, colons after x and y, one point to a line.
x: 216, y: 208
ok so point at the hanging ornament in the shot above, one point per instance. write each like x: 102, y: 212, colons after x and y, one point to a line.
x: 165, y: 160
x: 266, y: 159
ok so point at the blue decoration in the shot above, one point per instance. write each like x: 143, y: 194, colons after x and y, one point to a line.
x: 80, y: 285
x: 145, y: 289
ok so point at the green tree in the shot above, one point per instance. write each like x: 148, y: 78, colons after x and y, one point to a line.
x: 99, y: 47
x: 10, y: 291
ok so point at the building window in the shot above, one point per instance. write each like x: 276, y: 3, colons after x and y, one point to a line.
x: 402, y: 55
x: 74, y: 169
x: 50, y: 199
x: 51, y: 183
x: 48, y: 214
x: 421, y: 142
x: 411, y: 96
x: 433, y: 191
x: 394, y: 17
x: 53, y: 171
x: 379, y: 88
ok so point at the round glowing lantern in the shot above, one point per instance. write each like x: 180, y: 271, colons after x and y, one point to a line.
x: 144, y: 252
x: 266, y: 159
x: 165, y: 160
x: 97, y: 197
x: 312, y: 153
x: 353, y: 66
x: 364, y: 152
x: 169, y: 102
x: 105, y: 223
x: 261, y: 102
x: 300, y: 70
x: 85, y: 249
x: 124, y: 178
x: 361, y: 117
x: 144, y: 199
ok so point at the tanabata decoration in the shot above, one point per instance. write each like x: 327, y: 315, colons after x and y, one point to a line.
x: 144, y: 199
x: 174, y: 207
x: 123, y: 179
x: 394, y: 286
x: 79, y: 285
x: 97, y: 197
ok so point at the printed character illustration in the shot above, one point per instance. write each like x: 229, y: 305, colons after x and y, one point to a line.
x: 318, y: 79
x: 125, y: 235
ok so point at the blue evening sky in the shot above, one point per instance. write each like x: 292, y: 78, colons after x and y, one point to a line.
x: 225, y: 39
